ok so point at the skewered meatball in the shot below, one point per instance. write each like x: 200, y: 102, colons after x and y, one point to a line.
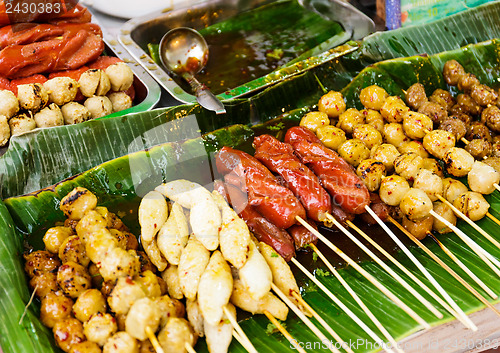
x: 332, y: 104
x: 149, y: 284
x: 99, y: 245
x: 407, y: 165
x: 373, y: 118
x: 175, y: 335
x: 434, y: 111
x: 44, y: 283
x: 416, y: 125
x: 68, y: 332
x: 468, y: 105
x: 373, y: 97
x: 314, y: 120
x: 75, y: 113
x: 98, y: 106
x: 169, y: 308
x: 414, y: 146
x: 458, y: 161
x: 493, y: 162
x: 419, y: 228
x: 452, y: 71
x: 467, y: 81
x: 454, y: 125
x: 331, y: 136
x: 447, y: 213
x: 120, y: 101
x: 453, y: 188
x: 49, y: 117
x: 434, y: 166
x: 438, y: 142
x: 61, y: 90
x: 368, y: 135
x: 32, y: 96
x: 55, y: 307
x: 21, y: 123
x: 350, y: 119
x: 40, y: 261
x: 429, y: 182
x: 73, y: 249
x: 491, y: 117
x: 482, y: 178
x: 94, y: 82
x: 77, y: 203
x: 385, y: 153
x: 4, y: 130
x: 478, y: 130
x: 416, y: 205
x: 393, y: 110
x: 483, y: 95
x: 99, y: 328
x: 120, y: 76
x: 467, y: 119
x: 472, y: 204
x: 371, y: 172
x: 353, y: 151
x: 121, y: 342
x: 89, y: 303
x: 124, y: 294
x: 415, y: 96
x: 85, y: 347
x: 119, y: 263
x: 394, y: 134
x: 143, y: 313
x: 91, y: 224
x: 9, y: 105
x: 73, y: 279
x: 479, y: 148
x: 393, y: 189
x: 443, y: 98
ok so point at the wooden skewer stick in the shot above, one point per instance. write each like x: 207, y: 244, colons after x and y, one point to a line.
x: 365, y: 274
x: 322, y: 321
x: 342, y: 306
x: 463, y: 267
x: 284, y: 332
x: 189, y: 348
x: 303, y: 317
x: 389, y: 270
x: 446, y: 267
x: 248, y: 344
x: 241, y: 341
x: 154, y: 340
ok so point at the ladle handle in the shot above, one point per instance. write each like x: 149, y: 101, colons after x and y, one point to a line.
x: 203, y: 95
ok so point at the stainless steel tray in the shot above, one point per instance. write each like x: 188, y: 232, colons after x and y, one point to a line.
x: 137, y: 33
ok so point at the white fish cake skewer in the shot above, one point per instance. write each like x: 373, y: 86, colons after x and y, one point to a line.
x: 173, y: 235
x: 153, y: 212
x: 234, y: 235
x: 194, y: 260
x: 182, y: 191
x: 256, y: 275
x: 214, y: 290
x: 195, y: 317
x: 219, y: 336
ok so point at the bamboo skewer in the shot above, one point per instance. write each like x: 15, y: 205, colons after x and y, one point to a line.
x: 463, y: 267
x: 342, y: 306
x: 303, y: 317
x: 365, y: 274
x: 322, y: 321
x: 284, y: 332
x: 241, y: 341
x: 446, y: 267
x: 189, y: 348
x: 489, y: 215
x: 154, y: 340
x: 248, y: 344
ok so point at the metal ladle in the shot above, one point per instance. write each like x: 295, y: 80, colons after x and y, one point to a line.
x: 184, y: 52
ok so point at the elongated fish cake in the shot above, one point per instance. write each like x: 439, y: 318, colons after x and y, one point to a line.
x: 256, y: 275
x: 153, y: 212
x: 194, y: 259
x: 195, y: 317
x: 219, y: 336
x: 173, y: 235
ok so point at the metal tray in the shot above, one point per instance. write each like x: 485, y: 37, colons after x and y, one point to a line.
x: 137, y: 33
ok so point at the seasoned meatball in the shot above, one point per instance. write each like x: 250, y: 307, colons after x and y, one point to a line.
x: 54, y: 237
x: 438, y: 142
x: 434, y: 166
x: 443, y: 98
x: 478, y: 130
x: 175, y: 335
x: 472, y: 204
x: 393, y: 110
x: 373, y: 97
x: 99, y: 328
x: 385, y: 153
x: 73, y: 249
x: 453, y: 188
x: 4, y: 130
x: 331, y: 136
x: 94, y: 82
x: 467, y: 119
x: 353, y: 151
x: 415, y: 96
x: 61, y: 90
x: 393, y: 189
x: 458, y: 161
x: 45, y: 283
x: 454, y: 125
x: 149, y: 284
x: 447, y: 213
x: 416, y: 205
x: 452, y: 71
x: 493, y: 162
x: 98, y: 106
x: 491, y: 117
x: 368, y: 135
x: 91, y: 224
x: 479, y: 148
x: 73, y: 279
x: 75, y: 113
x: 124, y: 294
x: 408, y: 164
x: 350, y: 119
x: 482, y: 178
x: 468, y: 105
x: 120, y: 76
x: 119, y: 263
x: 32, y: 96
x: 77, y: 203
x: 371, y: 172
x: 68, y: 332
x: 40, y: 261
x: 314, y: 120
x: 85, y: 347
x: 416, y: 125
x: 434, y: 111
x: 120, y: 101
x: 414, y: 146
x: 169, y: 308
x: 483, y: 95
x: 9, y: 105
x: 49, y: 117
x: 332, y: 104
x: 429, y: 182
x: 89, y: 303
x: 393, y: 134
x: 143, y: 313
x: 121, y: 342
x: 55, y: 307
x: 373, y: 118
x: 21, y: 123
x: 467, y: 81
x: 99, y: 245
x: 418, y: 229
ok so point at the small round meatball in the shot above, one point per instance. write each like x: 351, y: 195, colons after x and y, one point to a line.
x: 467, y: 81
x: 438, y: 142
x: 149, y: 284
x: 119, y: 263
x: 458, y: 162
x: 75, y: 113
x: 434, y: 111
x: 61, y: 90
x: 73, y: 249
x: 98, y: 106
x: 332, y: 104
x: 478, y: 130
x: 415, y: 96
x: 40, y: 261
x: 91, y: 223
x: 99, y: 245
x: 32, y: 96
x: 176, y: 333
x: 393, y: 133
x: 491, y: 117
x: 434, y: 166
x: 373, y: 118
x: 120, y: 76
x: 89, y: 303
x: 416, y: 125
x: 120, y: 237
x: 44, y: 283
x: 120, y: 101
x: 447, y: 213
x: 54, y: 237
x: 483, y: 95
x: 385, y: 153
x: 331, y: 136
x: 453, y: 188
x: 73, y: 279
x: 169, y: 308
x: 21, y: 123
x: 407, y: 165
x: 85, y: 347
x: 452, y: 71
x: 350, y: 119
x: 482, y: 178
x: 454, y: 125
x: 373, y: 97
x: 55, y: 307
x: 414, y: 146
x: 368, y: 135
x: 9, y: 105
x: 468, y: 105
x: 467, y: 119
x: 4, y: 130
x: 121, y: 342
x: 493, y: 162
x: 68, y: 332
x: 393, y: 110
x: 124, y: 294
x: 143, y: 313
x: 77, y: 203
x: 479, y: 148
x: 99, y: 328
x: 416, y: 205
x: 94, y: 82
x: 371, y: 172
x: 418, y: 229
x: 314, y: 120
x: 472, y: 204
x: 443, y: 98
x: 353, y: 151
x: 392, y: 189
x: 429, y: 182
x: 49, y: 117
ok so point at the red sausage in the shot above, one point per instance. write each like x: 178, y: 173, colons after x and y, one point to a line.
x: 270, y: 199
x: 279, y: 158
x: 303, y: 236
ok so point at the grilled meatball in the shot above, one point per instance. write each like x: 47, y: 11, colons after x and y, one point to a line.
x: 124, y: 294
x: 454, y: 125
x: 94, y: 82
x: 120, y: 76
x: 416, y: 125
x: 75, y: 113
x: 45, y: 283
x: 479, y: 148
x: 458, y: 161
x: 89, y: 303
x: 434, y: 166
x: 393, y: 189
x: 353, y: 151
x: 478, y: 130
x: 350, y: 119
x: 482, y: 178
x: 373, y: 97
x: 175, y: 335
x: 40, y: 261
x: 393, y: 110
x: 77, y: 203
x: 21, y: 123
x: 32, y: 96
x: 9, y: 105
x: 434, y: 111
x: 452, y: 71
x: 120, y: 263
x: 493, y: 162
x: 121, y: 342
x: 467, y: 81
x: 368, y: 135
x: 467, y: 119
x: 429, y: 182
x: 414, y: 146
x: 332, y: 104
x: 314, y: 120
x: 371, y: 172
x: 407, y: 165
x: 55, y: 307
x: 85, y: 347
x: 418, y: 229
x: 331, y: 136
x: 416, y: 205
x: 73, y: 279
x: 438, y: 142
x: 4, y: 130
x: 143, y: 313
x: 120, y: 101
x: 73, y: 249
x: 453, y: 188
x: 443, y: 98
x: 483, y: 95
x: 415, y: 96
x: 491, y: 117
x: 393, y: 133
x: 472, y: 204
x: 447, y: 213
x: 99, y: 328
x: 49, y: 117
x: 98, y: 106
x: 468, y: 105
x: 68, y: 332
x: 61, y: 90
x: 385, y: 153
x: 373, y: 118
